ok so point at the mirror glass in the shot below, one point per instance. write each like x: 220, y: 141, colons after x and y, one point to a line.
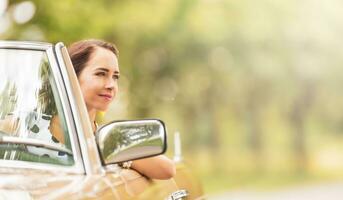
x: 129, y: 140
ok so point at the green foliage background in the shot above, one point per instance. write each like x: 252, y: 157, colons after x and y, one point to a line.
x: 254, y: 88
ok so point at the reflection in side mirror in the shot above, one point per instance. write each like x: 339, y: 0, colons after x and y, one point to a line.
x: 128, y: 140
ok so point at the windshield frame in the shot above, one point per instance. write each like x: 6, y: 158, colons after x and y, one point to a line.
x: 86, y: 137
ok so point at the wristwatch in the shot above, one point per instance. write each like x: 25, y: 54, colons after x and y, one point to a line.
x: 126, y: 165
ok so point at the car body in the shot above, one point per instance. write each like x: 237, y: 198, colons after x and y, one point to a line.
x: 38, y: 84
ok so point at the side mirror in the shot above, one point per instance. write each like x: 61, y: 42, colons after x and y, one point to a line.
x: 121, y: 141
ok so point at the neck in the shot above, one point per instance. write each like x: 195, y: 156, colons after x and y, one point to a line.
x: 92, y: 115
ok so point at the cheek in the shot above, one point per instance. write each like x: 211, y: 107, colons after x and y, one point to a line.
x: 115, y: 91
x: 87, y: 89
x: 84, y: 88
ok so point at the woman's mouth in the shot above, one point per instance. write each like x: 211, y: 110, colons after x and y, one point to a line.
x: 107, y: 97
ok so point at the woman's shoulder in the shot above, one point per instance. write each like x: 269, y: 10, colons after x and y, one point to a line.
x: 56, y: 129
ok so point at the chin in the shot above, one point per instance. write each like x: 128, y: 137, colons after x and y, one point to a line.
x: 102, y: 108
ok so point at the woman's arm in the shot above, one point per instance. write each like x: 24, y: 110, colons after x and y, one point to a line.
x: 157, y: 167
x: 9, y: 125
x: 56, y: 129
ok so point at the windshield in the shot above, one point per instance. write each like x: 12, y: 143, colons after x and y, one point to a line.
x: 30, y: 108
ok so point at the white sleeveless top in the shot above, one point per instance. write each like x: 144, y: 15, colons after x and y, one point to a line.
x: 39, y: 129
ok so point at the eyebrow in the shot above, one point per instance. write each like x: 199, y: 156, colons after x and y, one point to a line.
x: 106, y: 70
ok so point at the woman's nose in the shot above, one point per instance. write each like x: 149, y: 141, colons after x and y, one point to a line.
x: 110, y: 84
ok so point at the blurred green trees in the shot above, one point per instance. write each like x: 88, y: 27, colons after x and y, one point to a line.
x: 254, y: 88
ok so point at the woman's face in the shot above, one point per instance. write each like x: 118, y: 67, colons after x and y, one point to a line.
x: 99, y: 79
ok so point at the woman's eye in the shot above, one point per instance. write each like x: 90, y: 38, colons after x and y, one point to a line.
x: 100, y: 74
x: 115, y: 77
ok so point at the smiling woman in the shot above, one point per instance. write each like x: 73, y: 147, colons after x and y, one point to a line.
x: 96, y: 66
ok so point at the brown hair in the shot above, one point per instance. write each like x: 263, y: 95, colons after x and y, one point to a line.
x: 81, y: 51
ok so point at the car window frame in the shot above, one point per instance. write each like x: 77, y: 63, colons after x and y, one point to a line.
x: 83, y: 129
x: 77, y: 167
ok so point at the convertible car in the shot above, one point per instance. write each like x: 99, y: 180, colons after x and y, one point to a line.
x: 38, y: 86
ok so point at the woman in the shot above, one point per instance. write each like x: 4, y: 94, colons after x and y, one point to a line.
x: 96, y: 66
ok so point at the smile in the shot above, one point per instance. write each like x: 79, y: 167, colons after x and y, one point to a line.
x: 106, y: 96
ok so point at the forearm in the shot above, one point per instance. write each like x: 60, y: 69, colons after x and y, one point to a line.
x: 157, y: 167
x: 8, y: 125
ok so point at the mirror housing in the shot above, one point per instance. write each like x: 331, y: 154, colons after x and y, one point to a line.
x: 121, y: 141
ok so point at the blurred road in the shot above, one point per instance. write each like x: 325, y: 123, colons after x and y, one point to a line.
x: 326, y: 191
